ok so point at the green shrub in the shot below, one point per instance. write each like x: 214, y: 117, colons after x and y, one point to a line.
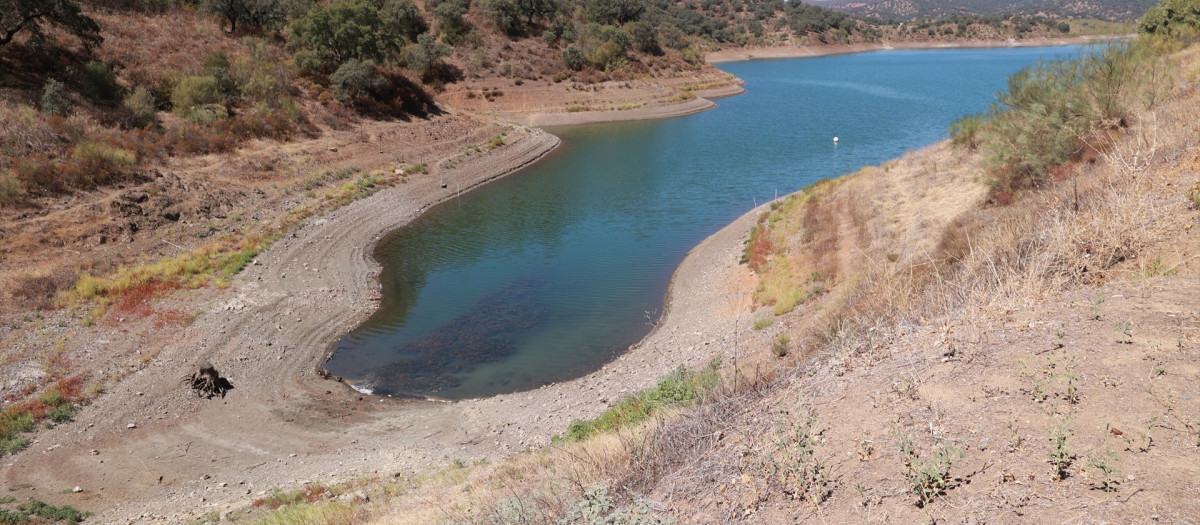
x: 99, y: 81
x: 334, y: 33
x: 426, y: 56
x: 263, y: 75
x: 216, y: 65
x: 609, y: 54
x: 402, y: 18
x: 62, y: 413
x: 15, y: 421
x: 356, y: 79
x: 449, y: 16
x: 56, y: 100
x: 140, y: 108
x: 1171, y: 17
x: 680, y: 387
x: 781, y: 345
x: 207, y: 114
x: 191, y: 92
x: 574, y: 58
x: 671, y: 36
x: 965, y: 132
x: 13, y: 444
x: 35, y: 508
x: 10, y: 187
x: 1050, y: 111
x: 101, y: 162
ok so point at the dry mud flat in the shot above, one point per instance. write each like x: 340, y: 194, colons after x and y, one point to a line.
x: 150, y: 450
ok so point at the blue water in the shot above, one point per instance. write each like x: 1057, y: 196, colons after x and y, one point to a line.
x: 550, y: 273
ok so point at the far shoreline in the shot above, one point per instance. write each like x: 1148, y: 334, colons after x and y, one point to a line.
x: 780, y: 52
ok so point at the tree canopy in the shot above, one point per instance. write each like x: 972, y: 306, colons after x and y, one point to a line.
x: 29, y: 15
x: 270, y: 14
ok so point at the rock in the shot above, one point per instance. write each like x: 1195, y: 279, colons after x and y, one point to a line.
x: 357, y: 496
x: 77, y: 489
x: 131, y: 426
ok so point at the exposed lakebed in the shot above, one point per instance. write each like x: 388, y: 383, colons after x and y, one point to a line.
x: 549, y: 273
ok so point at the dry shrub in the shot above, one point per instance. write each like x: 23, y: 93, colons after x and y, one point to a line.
x: 39, y: 291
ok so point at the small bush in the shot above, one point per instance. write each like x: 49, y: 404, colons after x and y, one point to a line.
x: 35, y: 508
x: 781, y: 345
x: 13, y: 444
x: 356, y: 79
x: 62, y: 413
x: 763, y: 322
x: 263, y: 76
x: 608, y: 55
x: 1193, y: 195
x: 207, y: 114
x: 101, y: 162
x: 965, y: 132
x: 681, y: 387
x: 191, y: 92
x: 10, y: 188
x: 99, y: 81
x: 574, y: 58
x: 56, y: 100
x: 140, y: 108
x: 216, y: 65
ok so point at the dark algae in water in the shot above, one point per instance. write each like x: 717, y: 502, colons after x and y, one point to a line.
x: 485, y: 333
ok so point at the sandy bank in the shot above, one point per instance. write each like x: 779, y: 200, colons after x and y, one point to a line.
x: 649, y: 111
x: 770, y: 52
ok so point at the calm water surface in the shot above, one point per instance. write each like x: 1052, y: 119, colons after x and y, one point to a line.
x: 550, y: 273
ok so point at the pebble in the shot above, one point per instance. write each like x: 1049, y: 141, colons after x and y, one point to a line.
x: 131, y: 426
x: 77, y: 489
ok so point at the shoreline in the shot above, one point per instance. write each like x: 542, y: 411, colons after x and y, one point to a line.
x: 780, y: 52
x: 651, y: 111
x: 275, y: 328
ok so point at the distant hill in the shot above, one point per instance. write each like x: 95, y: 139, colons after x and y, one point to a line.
x: 1115, y: 10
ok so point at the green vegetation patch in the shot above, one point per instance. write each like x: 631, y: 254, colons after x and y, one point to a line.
x: 682, y: 387
x: 39, y: 512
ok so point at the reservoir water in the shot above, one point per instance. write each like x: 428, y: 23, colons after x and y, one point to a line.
x: 549, y: 273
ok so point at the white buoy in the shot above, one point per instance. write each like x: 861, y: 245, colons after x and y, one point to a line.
x: 835, y: 139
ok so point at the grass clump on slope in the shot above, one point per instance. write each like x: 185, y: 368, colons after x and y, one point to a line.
x: 681, y: 387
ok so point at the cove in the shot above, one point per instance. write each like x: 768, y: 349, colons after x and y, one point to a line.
x: 548, y: 274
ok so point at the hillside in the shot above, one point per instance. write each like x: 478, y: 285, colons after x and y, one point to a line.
x: 182, y: 183
x: 1110, y: 10
x: 962, y: 334
x: 117, y: 93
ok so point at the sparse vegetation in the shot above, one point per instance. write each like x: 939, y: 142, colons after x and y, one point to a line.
x: 781, y: 345
x: 928, y: 476
x: 681, y: 388
x: 35, y: 511
x: 1060, y: 453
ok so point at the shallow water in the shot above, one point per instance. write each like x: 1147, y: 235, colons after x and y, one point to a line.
x: 548, y: 274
